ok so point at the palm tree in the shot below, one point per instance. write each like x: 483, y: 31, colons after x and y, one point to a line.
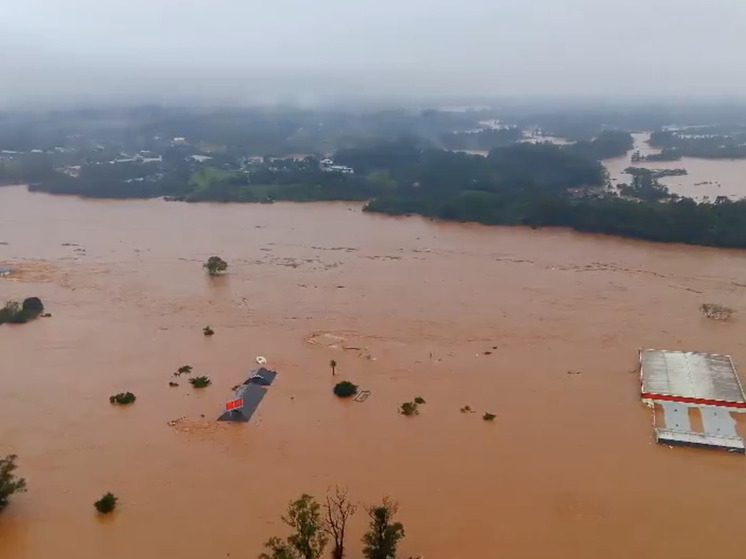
x: 333, y: 365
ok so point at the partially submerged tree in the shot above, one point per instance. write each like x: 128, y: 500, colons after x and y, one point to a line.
x: 345, y: 389
x: 32, y: 307
x: 383, y: 535
x: 333, y: 365
x: 122, y: 398
x: 106, y: 504
x: 409, y: 408
x: 200, y: 382
x: 9, y: 482
x: 215, y: 265
x: 716, y: 311
x: 17, y: 313
x: 278, y: 549
x: 309, y: 537
x: 207, y: 331
x: 337, y: 511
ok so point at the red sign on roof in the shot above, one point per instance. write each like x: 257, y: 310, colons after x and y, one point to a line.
x: 234, y: 404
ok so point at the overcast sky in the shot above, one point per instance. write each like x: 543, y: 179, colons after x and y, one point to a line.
x: 243, y: 51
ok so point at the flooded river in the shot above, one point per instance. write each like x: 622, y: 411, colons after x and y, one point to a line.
x: 705, y: 177
x: 568, y: 469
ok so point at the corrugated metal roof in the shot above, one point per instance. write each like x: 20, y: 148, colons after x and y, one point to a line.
x: 702, y: 376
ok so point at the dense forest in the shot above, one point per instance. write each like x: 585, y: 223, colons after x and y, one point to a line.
x: 705, y: 142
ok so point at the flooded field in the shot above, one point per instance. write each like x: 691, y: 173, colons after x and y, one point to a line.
x: 706, y: 177
x: 407, y: 308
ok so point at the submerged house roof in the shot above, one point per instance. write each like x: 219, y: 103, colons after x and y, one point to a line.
x: 252, y: 391
x: 690, y: 377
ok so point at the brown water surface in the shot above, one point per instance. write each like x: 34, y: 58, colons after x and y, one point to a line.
x: 568, y: 469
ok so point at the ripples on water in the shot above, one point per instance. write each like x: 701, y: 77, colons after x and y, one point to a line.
x: 567, y: 469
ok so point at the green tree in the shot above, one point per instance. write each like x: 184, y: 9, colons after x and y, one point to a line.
x: 9, y: 483
x: 215, y: 265
x: 337, y: 511
x: 345, y: 389
x: 106, y: 504
x: 32, y: 307
x: 383, y: 536
x: 309, y: 538
x: 278, y: 549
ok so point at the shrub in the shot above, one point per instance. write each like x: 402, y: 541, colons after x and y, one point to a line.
x: 106, y: 504
x: 716, y: 311
x: 345, y: 389
x: 9, y: 483
x: 17, y: 313
x: 9, y: 312
x: 215, y: 265
x: 172, y: 383
x: 419, y: 400
x: 409, y: 408
x: 466, y: 409
x: 183, y: 370
x: 200, y: 382
x: 122, y: 398
x: 488, y: 416
x: 207, y: 331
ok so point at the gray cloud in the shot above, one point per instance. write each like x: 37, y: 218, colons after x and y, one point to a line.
x: 243, y: 51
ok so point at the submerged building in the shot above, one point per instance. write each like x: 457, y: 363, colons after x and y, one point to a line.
x: 248, y: 396
x: 690, y: 385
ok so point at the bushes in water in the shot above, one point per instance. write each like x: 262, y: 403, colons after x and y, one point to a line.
x: 20, y: 313
x: 207, y: 331
x: 419, y: 400
x: 345, y: 389
x: 106, y: 504
x: 183, y: 370
x: 122, y: 398
x: 9, y: 483
x: 409, y: 408
x: 716, y: 311
x: 488, y: 416
x: 215, y: 265
x: 200, y: 382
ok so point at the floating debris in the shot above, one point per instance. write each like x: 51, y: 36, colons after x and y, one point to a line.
x: 362, y: 396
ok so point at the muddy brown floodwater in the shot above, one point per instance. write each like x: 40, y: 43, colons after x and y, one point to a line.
x: 705, y: 178
x: 568, y: 469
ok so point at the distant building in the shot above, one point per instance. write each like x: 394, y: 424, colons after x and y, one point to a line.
x: 72, y: 171
x: 327, y: 165
x: 338, y: 169
x: 199, y: 158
